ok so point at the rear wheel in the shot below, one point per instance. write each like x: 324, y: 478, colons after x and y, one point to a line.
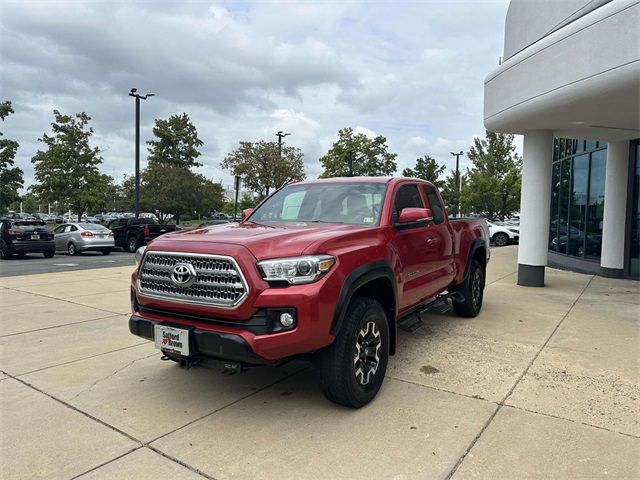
x: 351, y: 370
x: 22, y: 254
x: 49, y: 253
x: 106, y: 251
x: 71, y: 248
x: 4, y: 251
x: 133, y: 244
x: 501, y: 239
x: 472, y: 291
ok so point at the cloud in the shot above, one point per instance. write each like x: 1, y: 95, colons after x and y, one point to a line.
x: 244, y: 70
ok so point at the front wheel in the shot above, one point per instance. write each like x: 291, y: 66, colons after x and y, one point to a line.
x: 133, y: 244
x: 472, y: 291
x: 351, y: 370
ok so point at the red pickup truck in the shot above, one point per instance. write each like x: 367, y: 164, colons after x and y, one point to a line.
x: 325, y: 270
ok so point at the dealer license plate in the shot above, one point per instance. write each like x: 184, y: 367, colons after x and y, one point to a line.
x: 174, y: 340
x: 35, y: 237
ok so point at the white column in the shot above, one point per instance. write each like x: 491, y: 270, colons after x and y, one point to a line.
x: 615, y: 209
x: 535, y: 203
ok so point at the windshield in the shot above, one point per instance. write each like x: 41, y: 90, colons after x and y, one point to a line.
x: 353, y: 203
x: 92, y: 226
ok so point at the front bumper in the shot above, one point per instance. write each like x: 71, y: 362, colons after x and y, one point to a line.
x: 218, y: 345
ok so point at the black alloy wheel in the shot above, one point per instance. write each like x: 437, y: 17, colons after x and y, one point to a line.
x: 472, y: 291
x: 351, y: 370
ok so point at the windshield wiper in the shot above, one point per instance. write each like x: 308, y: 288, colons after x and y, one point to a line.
x: 324, y: 221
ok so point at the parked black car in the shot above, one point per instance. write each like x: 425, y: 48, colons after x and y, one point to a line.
x: 25, y: 236
x: 131, y: 233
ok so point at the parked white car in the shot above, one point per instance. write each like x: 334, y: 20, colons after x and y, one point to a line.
x: 502, y: 235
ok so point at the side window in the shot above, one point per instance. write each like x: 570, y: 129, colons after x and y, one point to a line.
x: 59, y: 229
x: 408, y: 196
x: 434, y: 204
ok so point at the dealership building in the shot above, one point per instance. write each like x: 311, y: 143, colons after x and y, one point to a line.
x: 569, y: 82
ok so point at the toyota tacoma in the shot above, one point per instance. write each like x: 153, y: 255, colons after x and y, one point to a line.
x: 323, y: 270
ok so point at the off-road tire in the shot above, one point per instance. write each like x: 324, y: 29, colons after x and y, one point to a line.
x: 72, y: 249
x: 501, y: 239
x: 340, y: 368
x: 106, y: 251
x: 49, y: 253
x: 132, y: 244
x: 472, y: 291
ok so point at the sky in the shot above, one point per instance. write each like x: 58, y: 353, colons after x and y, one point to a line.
x: 412, y: 71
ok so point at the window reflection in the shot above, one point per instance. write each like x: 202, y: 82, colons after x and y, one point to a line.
x: 634, y: 253
x: 577, y: 199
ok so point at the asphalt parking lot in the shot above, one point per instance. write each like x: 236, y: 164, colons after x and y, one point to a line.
x: 544, y: 383
x: 34, y: 263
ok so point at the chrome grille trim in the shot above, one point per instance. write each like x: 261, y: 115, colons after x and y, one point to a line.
x: 220, y: 282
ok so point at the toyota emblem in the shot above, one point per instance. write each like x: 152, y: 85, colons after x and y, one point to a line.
x: 183, y: 275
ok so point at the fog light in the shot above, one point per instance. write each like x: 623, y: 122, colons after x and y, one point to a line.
x: 286, y: 319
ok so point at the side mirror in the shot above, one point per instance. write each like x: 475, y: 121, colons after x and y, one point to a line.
x: 413, y: 215
x: 245, y: 213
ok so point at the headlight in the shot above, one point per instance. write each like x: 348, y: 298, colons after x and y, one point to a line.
x: 296, y: 270
x: 138, y: 255
x: 513, y: 230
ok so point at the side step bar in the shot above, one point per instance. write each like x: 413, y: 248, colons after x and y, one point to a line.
x: 413, y: 321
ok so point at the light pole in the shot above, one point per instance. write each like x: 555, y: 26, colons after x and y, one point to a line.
x: 280, y: 136
x: 458, y: 182
x: 135, y: 95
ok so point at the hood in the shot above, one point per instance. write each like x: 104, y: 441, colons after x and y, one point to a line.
x: 265, y: 241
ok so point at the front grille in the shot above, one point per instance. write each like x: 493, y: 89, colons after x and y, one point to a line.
x: 219, y: 281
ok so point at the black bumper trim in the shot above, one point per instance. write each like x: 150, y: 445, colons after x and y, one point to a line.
x: 222, y: 346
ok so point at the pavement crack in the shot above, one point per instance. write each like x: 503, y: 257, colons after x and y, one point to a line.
x: 111, y: 375
x: 501, y: 403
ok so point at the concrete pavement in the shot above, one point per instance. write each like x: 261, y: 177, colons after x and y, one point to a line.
x: 544, y: 383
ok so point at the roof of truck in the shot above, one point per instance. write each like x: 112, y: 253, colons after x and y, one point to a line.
x: 354, y: 180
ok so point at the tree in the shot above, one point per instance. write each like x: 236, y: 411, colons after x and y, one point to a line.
x: 428, y: 169
x: 11, y: 178
x: 177, y: 142
x: 450, y: 192
x: 261, y: 167
x: 211, y: 196
x: 493, y: 189
x: 67, y: 171
x: 169, y: 190
x: 355, y: 155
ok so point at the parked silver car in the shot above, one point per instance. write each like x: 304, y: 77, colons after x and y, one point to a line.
x: 79, y: 237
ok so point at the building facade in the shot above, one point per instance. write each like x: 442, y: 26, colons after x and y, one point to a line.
x: 569, y: 82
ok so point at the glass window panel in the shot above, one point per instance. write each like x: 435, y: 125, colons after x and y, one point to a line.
x: 563, y: 210
x: 579, y: 146
x: 556, y: 149
x: 595, y: 207
x: 634, y: 250
x: 591, y: 145
x: 555, y: 203
x: 578, y: 205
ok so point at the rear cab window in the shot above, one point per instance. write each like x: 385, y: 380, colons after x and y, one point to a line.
x: 435, y: 205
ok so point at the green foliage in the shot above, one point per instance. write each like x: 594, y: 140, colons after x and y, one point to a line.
x: 261, y: 167
x: 247, y: 201
x: 354, y: 155
x: 176, y: 142
x: 11, y: 178
x: 450, y: 192
x: 493, y: 189
x: 428, y: 169
x: 67, y: 171
x: 168, y: 189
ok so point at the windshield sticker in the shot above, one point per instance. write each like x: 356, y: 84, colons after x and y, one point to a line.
x: 367, y: 220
